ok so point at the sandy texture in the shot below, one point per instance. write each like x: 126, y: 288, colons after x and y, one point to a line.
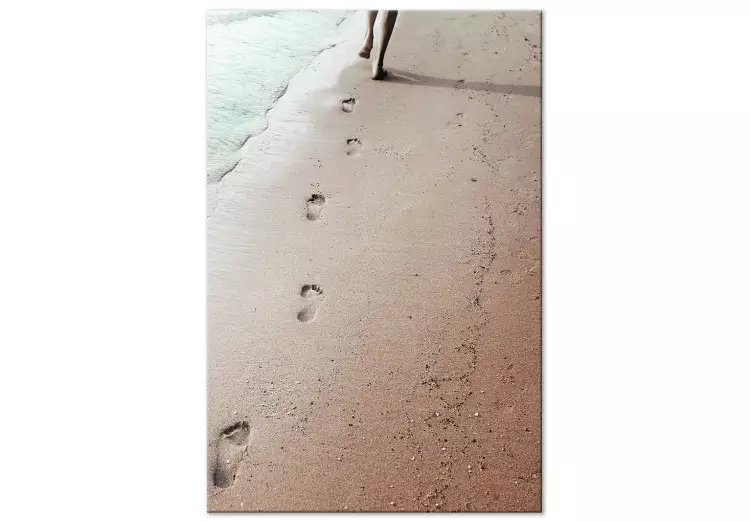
x: 382, y: 340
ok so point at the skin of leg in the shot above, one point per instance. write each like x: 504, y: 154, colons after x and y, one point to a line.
x: 389, y: 21
x: 369, y: 35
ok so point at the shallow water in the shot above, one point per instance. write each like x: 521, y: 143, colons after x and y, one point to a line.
x: 251, y: 56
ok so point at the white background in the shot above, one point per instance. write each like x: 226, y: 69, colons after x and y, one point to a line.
x: 102, y: 210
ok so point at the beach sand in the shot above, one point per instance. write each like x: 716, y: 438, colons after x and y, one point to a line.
x: 407, y: 376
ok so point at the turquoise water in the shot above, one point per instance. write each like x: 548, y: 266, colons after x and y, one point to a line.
x: 251, y: 57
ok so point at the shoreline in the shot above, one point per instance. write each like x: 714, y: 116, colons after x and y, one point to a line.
x: 281, y: 107
x: 416, y: 385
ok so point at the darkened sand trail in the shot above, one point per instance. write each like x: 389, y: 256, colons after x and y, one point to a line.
x: 374, y: 335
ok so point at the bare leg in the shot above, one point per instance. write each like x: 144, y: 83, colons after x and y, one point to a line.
x: 389, y: 21
x: 364, y: 52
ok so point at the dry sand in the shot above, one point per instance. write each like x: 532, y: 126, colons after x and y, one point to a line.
x: 412, y: 382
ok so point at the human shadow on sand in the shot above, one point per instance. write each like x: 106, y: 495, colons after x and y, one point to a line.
x: 411, y: 78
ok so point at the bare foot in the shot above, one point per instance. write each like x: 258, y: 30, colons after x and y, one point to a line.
x: 364, y: 52
x: 379, y: 73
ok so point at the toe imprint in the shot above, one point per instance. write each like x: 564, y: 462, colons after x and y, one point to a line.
x: 311, y: 290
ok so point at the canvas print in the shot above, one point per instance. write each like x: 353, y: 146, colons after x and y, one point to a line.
x: 374, y: 242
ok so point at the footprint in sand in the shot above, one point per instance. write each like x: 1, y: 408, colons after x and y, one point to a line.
x: 352, y: 146
x: 315, y: 206
x: 348, y: 105
x: 230, y: 450
x: 310, y: 291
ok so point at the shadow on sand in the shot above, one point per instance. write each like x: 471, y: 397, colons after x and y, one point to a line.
x: 411, y: 78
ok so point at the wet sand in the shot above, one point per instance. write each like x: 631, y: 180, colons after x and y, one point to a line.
x: 374, y: 335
